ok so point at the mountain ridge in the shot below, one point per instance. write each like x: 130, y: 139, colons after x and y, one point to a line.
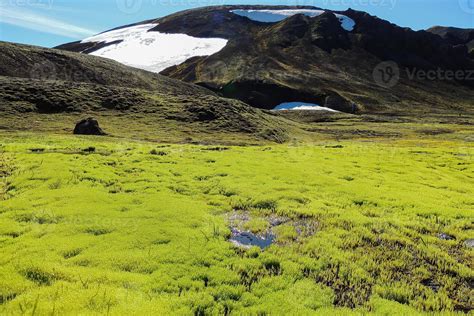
x: 312, y: 59
x: 456, y: 36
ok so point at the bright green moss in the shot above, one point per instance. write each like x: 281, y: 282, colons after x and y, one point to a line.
x: 121, y: 230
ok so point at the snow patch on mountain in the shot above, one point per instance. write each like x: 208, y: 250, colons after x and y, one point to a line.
x: 153, y: 51
x: 302, y: 106
x: 272, y: 16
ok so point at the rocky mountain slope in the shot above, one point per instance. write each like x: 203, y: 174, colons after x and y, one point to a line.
x: 456, y: 36
x: 37, y: 63
x: 348, y: 61
x: 50, y: 81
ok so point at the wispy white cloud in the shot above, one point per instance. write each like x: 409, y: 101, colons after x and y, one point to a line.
x: 31, y: 20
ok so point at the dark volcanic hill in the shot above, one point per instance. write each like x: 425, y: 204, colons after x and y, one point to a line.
x: 50, y: 81
x: 316, y: 59
x: 456, y: 36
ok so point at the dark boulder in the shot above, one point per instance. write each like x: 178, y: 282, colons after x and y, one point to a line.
x: 88, y: 126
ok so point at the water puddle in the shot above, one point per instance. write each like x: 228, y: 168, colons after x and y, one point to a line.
x: 242, y: 237
x: 444, y: 236
x: 469, y: 243
x: 247, y: 240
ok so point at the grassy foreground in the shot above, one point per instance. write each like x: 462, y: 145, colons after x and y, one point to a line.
x: 102, y: 226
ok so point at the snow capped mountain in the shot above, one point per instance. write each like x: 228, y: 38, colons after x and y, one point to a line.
x: 153, y: 51
x: 142, y: 46
x: 267, y: 56
x: 272, y: 16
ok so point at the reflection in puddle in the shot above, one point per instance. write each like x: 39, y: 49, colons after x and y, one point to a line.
x: 247, y: 239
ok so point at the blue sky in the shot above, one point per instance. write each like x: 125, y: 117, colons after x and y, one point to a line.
x: 52, y: 22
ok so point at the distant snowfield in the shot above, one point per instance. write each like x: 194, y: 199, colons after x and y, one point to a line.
x: 153, y: 51
x: 301, y: 106
x: 272, y: 16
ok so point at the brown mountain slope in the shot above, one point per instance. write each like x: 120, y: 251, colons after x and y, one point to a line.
x: 68, y: 86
